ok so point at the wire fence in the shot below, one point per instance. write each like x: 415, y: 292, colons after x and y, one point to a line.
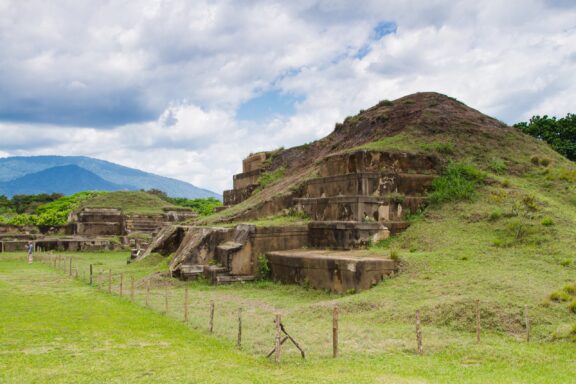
x: 321, y: 330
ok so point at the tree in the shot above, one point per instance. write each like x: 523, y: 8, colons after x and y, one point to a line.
x: 560, y: 134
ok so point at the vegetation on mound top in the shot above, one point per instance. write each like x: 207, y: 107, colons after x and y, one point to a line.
x: 202, y: 206
x: 130, y: 202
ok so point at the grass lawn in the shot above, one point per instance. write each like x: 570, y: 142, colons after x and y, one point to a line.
x: 56, y: 329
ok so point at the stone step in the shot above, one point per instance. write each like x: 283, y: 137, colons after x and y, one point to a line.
x: 345, y: 234
x: 228, y: 279
x: 336, y: 271
x: 378, y: 161
x: 369, y: 184
x: 360, y: 208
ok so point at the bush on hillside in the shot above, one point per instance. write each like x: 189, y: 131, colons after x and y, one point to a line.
x: 459, y: 181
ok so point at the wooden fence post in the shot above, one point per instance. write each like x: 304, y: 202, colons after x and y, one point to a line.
x: 335, y: 332
x: 527, y: 323
x: 477, y: 321
x: 91, y: 274
x: 70, y: 269
x: 418, y: 332
x: 277, y: 339
x: 186, y: 305
x: 148, y: 293
x: 131, y: 288
x: 109, y: 280
x: 121, y: 283
x: 239, y: 339
x: 166, y: 301
x: 211, y: 316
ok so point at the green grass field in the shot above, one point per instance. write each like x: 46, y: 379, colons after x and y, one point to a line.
x: 57, y: 329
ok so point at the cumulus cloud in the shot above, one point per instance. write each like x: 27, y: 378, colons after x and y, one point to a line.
x: 158, y: 84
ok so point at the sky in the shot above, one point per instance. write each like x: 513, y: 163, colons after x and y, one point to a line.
x: 186, y: 89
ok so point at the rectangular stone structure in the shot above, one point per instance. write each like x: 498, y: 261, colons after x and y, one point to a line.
x: 336, y: 271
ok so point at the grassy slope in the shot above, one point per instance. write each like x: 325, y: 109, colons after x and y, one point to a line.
x: 129, y: 202
x: 59, y: 330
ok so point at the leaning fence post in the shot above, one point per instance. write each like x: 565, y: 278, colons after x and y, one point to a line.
x: 211, y: 316
x: 239, y: 340
x: 186, y: 304
x: 477, y: 321
x: 91, y: 273
x: 277, y: 339
x: 527, y: 323
x: 109, y: 280
x: 70, y: 269
x: 335, y: 332
x: 418, y: 332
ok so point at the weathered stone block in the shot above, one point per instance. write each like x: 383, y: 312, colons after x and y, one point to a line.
x: 329, y: 270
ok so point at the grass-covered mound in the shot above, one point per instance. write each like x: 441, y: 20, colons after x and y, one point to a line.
x: 130, y: 202
x: 500, y: 227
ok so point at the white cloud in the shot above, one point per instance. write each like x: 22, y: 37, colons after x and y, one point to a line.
x: 156, y: 84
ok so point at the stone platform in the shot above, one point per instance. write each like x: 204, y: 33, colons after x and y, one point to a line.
x: 336, y: 271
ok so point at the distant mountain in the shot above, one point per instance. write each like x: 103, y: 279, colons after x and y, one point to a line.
x: 67, y: 179
x: 118, y: 177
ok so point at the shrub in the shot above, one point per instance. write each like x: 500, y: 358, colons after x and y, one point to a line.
x: 559, y: 296
x: 498, y: 243
x: 394, y: 255
x: 545, y: 162
x: 458, y: 182
x: 495, y: 215
x: 572, y: 306
x: 497, y: 166
x: 385, y: 103
x: 264, y: 272
x: 547, y: 222
x: 268, y: 178
x: 529, y: 202
x: 535, y: 160
x: 566, y: 262
x: 570, y: 289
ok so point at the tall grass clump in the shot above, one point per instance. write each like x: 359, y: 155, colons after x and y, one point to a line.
x: 459, y: 181
x: 268, y: 178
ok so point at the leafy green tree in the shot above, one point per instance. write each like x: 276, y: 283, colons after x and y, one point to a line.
x: 560, y: 134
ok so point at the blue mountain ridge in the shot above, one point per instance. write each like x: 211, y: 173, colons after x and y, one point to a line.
x: 14, y: 169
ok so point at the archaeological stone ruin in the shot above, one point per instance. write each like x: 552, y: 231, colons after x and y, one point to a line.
x: 354, y: 199
x: 93, y: 229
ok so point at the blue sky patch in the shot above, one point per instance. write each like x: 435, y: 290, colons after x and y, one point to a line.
x: 268, y: 105
x: 381, y: 29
